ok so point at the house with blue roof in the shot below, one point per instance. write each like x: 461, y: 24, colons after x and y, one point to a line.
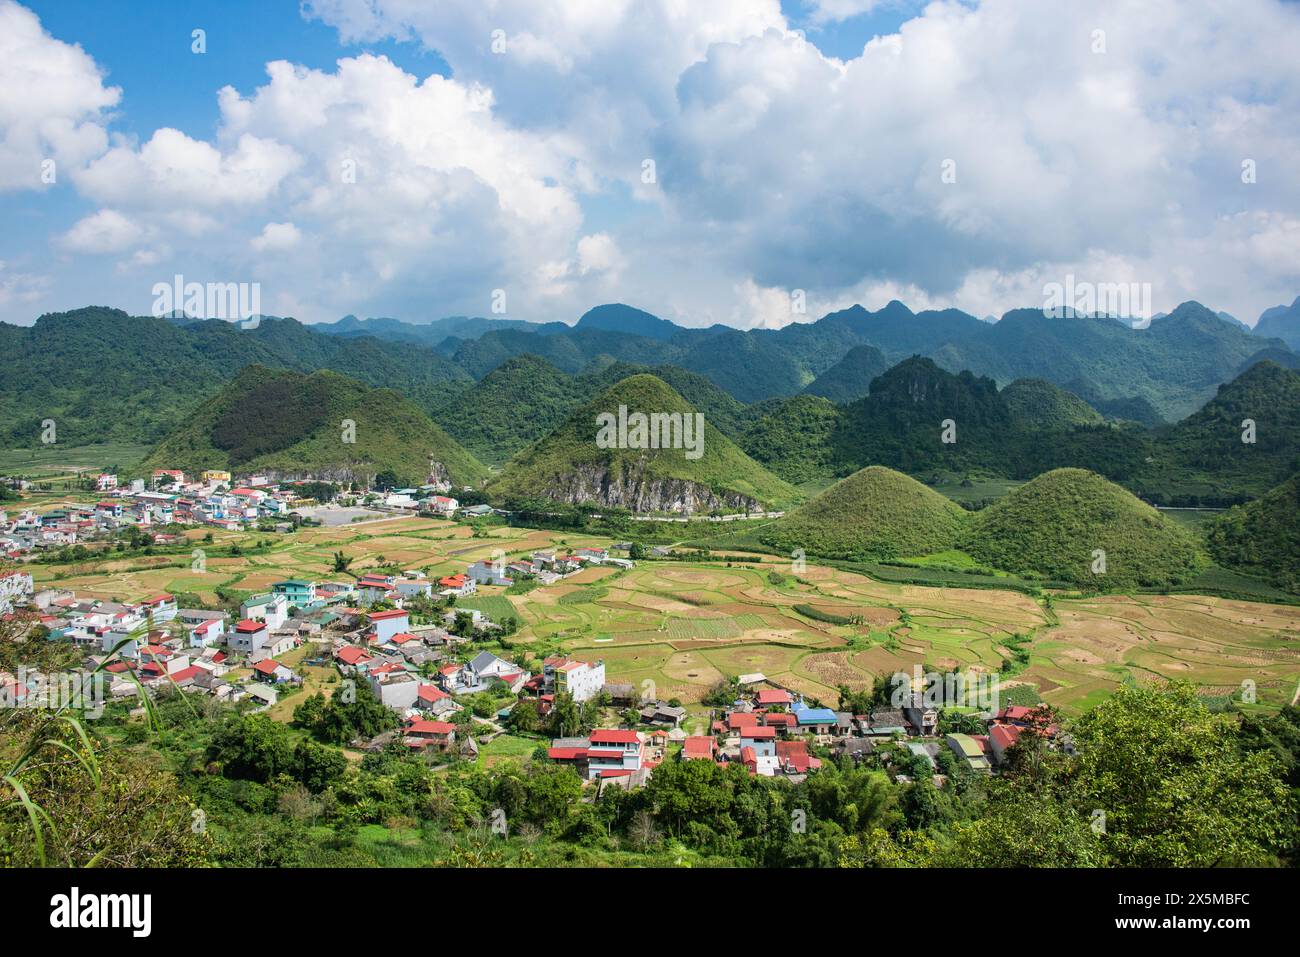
x: 814, y: 720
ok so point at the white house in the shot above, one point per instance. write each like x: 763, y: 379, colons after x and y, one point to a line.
x: 385, y: 624
x: 273, y: 609
x: 581, y: 679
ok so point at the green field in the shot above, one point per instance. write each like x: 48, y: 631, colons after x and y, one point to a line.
x: 59, y: 461
x: 684, y: 625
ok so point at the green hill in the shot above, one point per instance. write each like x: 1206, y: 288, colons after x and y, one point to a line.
x: 1263, y: 536
x: 1054, y: 525
x: 1203, y: 460
x: 720, y: 408
x: 526, y: 397
x: 900, y: 424
x: 876, y: 513
x: 1039, y: 403
x: 850, y: 378
x: 569, y: 466
x: 103, y: 375
x: 792, y: 438
x: 512, y: 406
x: 292, y: 425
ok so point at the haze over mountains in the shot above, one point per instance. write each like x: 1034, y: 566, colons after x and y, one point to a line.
x: 1172, y: 366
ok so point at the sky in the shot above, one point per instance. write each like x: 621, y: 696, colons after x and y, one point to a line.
x: 750, y: 162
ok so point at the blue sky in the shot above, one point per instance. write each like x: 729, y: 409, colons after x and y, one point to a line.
x: 1107, y: 142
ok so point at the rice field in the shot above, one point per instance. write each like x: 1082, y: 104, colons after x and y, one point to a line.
x: 682, y: 626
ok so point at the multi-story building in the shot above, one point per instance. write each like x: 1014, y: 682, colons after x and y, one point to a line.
x: 581, y: 679
x: 613, y: 752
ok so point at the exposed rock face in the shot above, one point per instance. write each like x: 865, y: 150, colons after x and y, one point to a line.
x: 361, y: 472
x: 630, y: 486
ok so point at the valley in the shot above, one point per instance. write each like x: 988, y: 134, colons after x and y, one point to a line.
x: 684, y: 625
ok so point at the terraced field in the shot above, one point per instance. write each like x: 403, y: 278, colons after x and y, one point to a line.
x: 684, y: 625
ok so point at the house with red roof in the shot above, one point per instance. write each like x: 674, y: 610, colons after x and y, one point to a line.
x: 434, y: 700
x: 385, y: 624
x: 423, y: 734
x: 768, y: 697
x: 458, y: 585
x: 268, y: 669
x: 795, y: 758
x: 350, y: 656
x: 613, y: 752
x: 248, y: 636
x: 606, y: 753
x: 699, y: 748
x: 1001, y: 738
x: 783, y: 721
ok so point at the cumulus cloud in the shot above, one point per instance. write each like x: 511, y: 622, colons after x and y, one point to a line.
x: 106, y: 231
x: 53, y: 102
x: 599, y: 253
x: 995, y: 140
x: 172, y: 172
x: 20, y: 289
x: 277, y: 237
x: 975, y: 155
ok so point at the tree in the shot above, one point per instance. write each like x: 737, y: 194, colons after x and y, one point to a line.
x: 253, y: 747
x: 318, y: 766
x: 341, y: 562
x: 1174, y: 785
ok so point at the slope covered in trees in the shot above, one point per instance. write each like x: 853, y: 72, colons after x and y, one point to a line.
x: 296, y: 425
x: 573, y: 465
x: 1262, y: 537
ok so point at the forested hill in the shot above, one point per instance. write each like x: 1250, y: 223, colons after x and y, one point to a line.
x: 103, y: 375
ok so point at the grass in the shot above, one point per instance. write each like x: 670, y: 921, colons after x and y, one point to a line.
x: 495, y: 607
x: 60, y: 461
x: 1074, y: 650
x: 507, y: 747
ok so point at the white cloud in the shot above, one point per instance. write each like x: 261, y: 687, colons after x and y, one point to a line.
x: 834, y: 11
x: 599, y: 253
x: 778, y: 168
x: 52, y: 101
x: 20, y: 289
x: 172, y: 171
x: 106, y: 231
x: 807, y: 172
x: 277, y: 237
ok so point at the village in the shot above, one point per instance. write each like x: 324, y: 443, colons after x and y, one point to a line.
x: 212, y: 499
x: 402, y: 638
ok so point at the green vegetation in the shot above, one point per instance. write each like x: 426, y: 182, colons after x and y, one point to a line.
x: 294, y: 424
x: 1058, y: 525
x: 1214, y: 458
x: 569, y: 466
x: 1040, y: 403
x: 1262, y: 537
x: 876, y: 513
x: 512, y: 406
x: 793, y: 438
x: 163, y: 370
x: 850, y: 378
x: 118, y: 792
